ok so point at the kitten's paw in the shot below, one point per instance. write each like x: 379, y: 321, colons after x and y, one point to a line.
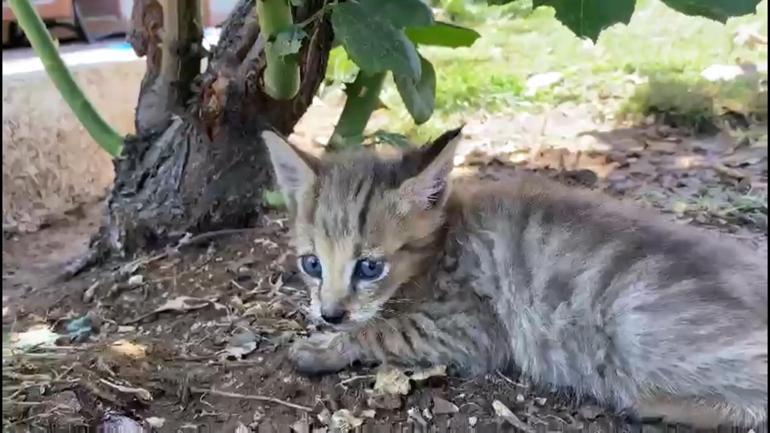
x: 320, y: 354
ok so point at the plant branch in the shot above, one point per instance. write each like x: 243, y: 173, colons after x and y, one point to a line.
x: 363, y: 97
x: 181, y: 49
x: 282, y: 77
x: 41, y: 41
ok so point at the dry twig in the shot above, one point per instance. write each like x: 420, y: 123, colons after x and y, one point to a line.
x: 218, y: 393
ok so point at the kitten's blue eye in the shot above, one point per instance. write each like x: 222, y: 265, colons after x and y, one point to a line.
x: 369, y: 269
x: 311, y: 265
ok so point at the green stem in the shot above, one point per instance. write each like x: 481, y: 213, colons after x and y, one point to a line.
x: 281, y: 72
x: 363, y: 97
x: 44, y: 47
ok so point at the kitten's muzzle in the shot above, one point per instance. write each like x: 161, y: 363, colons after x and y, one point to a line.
x: 334, y: 316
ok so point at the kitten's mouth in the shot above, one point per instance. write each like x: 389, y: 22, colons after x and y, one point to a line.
x: 340, y: 327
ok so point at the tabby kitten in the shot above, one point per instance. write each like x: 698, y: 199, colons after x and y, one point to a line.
x: 576, y: 290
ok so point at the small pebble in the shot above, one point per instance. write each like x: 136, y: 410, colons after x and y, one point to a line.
x: 443, y: 407
x: 135, y: 281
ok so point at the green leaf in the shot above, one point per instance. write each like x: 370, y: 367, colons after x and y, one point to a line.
x: 717, y: 10
x: 419, y: 96
x: 400, y: 13
x: 443, y: 35
x: 372, y: 41
x: 289, y: 41
x: 587, y: 18
x: 273, y: 199
x: 397, y: 140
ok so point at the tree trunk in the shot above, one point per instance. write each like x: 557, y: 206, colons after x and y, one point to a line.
x: 197, y: 162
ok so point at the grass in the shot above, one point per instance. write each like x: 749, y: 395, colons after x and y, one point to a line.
x: 652, y: 64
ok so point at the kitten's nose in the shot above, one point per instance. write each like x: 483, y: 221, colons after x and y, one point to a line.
x: 335, y: 316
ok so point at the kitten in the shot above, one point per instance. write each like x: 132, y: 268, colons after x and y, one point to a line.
x: 576, y: 290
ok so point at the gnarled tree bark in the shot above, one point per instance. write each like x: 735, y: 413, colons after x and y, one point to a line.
x: 196, y: 162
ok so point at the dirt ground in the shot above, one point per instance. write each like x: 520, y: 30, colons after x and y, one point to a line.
x: 194, y: 338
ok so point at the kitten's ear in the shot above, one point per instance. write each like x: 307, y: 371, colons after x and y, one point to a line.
x: 294, y: 169
x: 430, y: 187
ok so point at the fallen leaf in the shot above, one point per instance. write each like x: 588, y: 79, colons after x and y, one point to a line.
x: 39, y: 335
x: 391, y: 381
x: 155, y: 422
x: 240, y: 345
x: 129, y: 349
x: 443, y: 407
x: 88, y: 294
x: 503, y: 412
x: 140, y: 393
x: 81, y: 328
x: 385, y: 401
x: 180, y: 304
x: 425, y: 374
x: 344, y: 421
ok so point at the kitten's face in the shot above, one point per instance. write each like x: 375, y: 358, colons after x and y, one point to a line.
x: 363, y: 226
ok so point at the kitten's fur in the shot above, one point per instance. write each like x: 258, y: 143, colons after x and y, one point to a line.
x: 575, y: 289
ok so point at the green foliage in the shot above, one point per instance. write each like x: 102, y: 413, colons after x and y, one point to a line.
x: 382, y: 36
x: 289, y: 41
x: 717, y: 10
x: 400, y: 13
x: 418, y: 95
x: 282, y: 77
x: 373, y: 42
x: 273, y: 199
x: 588, y: 18
x: 443, y: 34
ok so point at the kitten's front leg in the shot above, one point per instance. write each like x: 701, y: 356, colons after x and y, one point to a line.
x: 467, y: 340
x: 323, y: 353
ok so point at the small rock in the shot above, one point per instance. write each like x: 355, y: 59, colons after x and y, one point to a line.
x: 301, y: 426
x: 542, y: 81
x: 240, y: 345
x: 726, y: 72
x: 384, y: 401
x: 426, y: 414
x: 443, y: 407
x: 590, y: 411
x: 472, y: 420
x: 414, y: 414
x: 540, y: 401
x: 135, y: 281
x: 88, y: 294
x: 368, y: 413
x: 114, y: 422
x: 155, y: 422
x: 519, y: 398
